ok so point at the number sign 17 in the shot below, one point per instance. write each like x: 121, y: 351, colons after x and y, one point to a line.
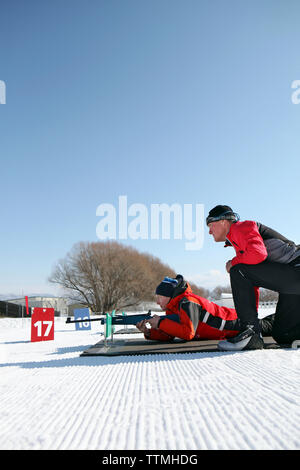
x: 42, y: 324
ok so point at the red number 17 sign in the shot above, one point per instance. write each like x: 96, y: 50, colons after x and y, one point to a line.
x: 42, y: 324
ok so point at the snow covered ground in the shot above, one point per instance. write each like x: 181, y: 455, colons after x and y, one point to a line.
x: 51, y: 398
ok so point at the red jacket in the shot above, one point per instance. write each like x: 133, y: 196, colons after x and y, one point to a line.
x: 247, y: 242
x: 197, y: 318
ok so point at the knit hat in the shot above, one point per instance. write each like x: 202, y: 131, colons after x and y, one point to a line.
x: 222, y: 213
x: 166, y: 287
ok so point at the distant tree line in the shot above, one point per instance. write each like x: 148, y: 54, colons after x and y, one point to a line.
x: 109, y: 275
x: 265, y: 295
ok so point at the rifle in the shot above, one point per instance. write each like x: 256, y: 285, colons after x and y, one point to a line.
x: 117, y: 319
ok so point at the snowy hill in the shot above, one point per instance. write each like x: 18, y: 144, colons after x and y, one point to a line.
x: 54, y: 399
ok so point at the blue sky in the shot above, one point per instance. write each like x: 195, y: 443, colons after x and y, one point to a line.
x: 164, y: 101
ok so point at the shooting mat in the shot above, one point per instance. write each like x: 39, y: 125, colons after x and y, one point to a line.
x: 129, y: 347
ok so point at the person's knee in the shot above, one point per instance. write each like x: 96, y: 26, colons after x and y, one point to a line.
x: 277, y: 334
x: 235, y: 271
x: 238, y: 272
x: 285, y: 336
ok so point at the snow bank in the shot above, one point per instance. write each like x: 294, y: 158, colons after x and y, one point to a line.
x: 53, y: 399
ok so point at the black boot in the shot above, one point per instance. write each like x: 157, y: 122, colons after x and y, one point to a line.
x: 249, y: 338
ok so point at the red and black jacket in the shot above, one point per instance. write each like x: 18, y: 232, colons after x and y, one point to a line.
x: 254, y: 243
x: 247, y: 242
x: 189, y: 316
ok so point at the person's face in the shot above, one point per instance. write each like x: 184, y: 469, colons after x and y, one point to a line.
x: 162, y: 301
x: 219, y: 230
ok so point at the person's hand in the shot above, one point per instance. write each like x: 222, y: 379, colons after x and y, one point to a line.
x: 154, y: 321
x: 228, y: 266
x: 142, y: 326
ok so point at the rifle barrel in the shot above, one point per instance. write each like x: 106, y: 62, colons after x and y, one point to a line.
x: 82, y: 319
x: 117, y: 320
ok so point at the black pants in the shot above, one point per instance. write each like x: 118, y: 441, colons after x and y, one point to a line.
x: 281, y: 278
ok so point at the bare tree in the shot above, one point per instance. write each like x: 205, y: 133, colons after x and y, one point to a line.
x: 201, y: 291
x: 265, y: 295
x: 217, y: 291
x: 109, y: 275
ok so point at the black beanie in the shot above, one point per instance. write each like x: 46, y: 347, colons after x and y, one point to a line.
x: 166, y: 287
x: 221, y: 213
